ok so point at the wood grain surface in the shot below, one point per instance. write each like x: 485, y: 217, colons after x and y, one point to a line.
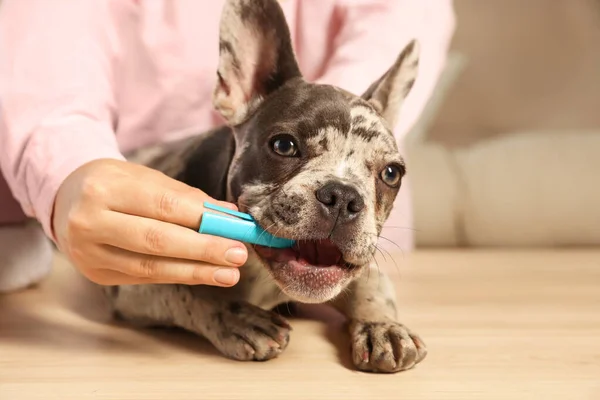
x: 498, y: 324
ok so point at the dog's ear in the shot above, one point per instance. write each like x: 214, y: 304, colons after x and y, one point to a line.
x: 388, y: 93
x: 255, y: 56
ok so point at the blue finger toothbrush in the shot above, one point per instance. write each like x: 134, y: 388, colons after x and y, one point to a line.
x: 238, y: 226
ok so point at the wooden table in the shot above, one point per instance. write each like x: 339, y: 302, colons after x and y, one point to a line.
x: 499, y: 325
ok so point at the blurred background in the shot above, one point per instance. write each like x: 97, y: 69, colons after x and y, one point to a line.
x: 508, y: 150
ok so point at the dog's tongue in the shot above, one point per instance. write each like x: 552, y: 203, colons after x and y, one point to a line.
x: 322, y: 252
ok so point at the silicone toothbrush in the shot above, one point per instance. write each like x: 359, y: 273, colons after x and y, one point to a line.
x: 238, y: 226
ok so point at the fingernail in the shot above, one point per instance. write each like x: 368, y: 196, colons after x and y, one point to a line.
x: 227, y: 276
x: 229, y: 205
x: 236, y: 255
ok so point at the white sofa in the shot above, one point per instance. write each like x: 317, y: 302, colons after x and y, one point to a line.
x: 524, y: 187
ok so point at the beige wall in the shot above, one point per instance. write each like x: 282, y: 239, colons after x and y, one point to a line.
x: 532, y: 64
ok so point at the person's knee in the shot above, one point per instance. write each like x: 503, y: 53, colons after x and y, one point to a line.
x: 25, y: 256
x: 10, y: 210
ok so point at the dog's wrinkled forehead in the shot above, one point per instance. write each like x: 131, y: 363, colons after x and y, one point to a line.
x: 316, y: 112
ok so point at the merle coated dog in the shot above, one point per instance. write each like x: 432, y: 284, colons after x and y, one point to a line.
x: 310, y: 162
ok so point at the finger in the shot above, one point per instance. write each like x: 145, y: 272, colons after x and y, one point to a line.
x: 107, y: 277
x: 162, y: 202
x: 166, y: 270
x: 164, y: 181
x: 143, y: 173
x: 153, y: 237
x: 181, y: 187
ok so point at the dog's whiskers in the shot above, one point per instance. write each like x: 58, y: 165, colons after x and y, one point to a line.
x: 381, y: 250
x: 379, y: 236
x: 401, y: 227
x: 394, y: 243
x: 376, y: 263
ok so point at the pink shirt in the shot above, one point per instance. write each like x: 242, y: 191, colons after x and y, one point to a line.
x: 81, y: 80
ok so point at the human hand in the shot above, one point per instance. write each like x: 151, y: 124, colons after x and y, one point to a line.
x: 121, y: 223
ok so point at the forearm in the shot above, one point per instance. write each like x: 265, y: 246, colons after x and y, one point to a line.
x: 56, y: 96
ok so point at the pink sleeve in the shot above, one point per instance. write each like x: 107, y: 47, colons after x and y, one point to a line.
x: 56, y: 96
x: 372, y: 33
x: 369, y: 37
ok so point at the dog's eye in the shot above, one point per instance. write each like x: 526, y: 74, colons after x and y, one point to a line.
x: 284, y: 145
x: 391, y: 175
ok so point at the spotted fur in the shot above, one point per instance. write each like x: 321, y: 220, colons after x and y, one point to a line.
x: 342, y: 138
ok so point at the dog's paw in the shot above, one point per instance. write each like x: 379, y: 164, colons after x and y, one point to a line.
x: 385, y: 347
x: 249, y: 333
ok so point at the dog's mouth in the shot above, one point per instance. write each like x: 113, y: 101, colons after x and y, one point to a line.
x: 310, y: 269
x: 316, y: 253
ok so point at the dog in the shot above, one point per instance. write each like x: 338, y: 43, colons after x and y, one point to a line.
x: 309, y: 162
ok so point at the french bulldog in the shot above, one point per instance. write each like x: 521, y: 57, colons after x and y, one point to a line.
x: 310, y: 162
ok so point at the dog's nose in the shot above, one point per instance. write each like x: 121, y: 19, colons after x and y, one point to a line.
x: 341, y: 199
